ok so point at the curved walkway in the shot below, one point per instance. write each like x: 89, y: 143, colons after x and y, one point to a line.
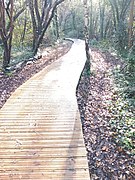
x: 40, y: 129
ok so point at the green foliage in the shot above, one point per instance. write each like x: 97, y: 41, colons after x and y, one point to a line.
x: 94, y: 43
x: 87, y: 72
x: 1, y: 56
x: 8, y: 73
x: 103, y: 45
x: 123, y: 106
x: 18, y: 31
x: 72, y: 34
x: 50, y: 37
x: 1, y: 52
x: 87, y: 69
x: 71, y: 16
x: 20, y: 54
x: 121, y: 36
x: 131, y: 60
x: 122, y: 123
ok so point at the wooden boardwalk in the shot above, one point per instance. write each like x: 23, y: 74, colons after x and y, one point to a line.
x: 40, y: 130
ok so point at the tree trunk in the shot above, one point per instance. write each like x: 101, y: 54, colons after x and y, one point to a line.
x: 6, y: 28
x: 86, y: 31
x: 6, y: 55
x: 41, y: 36
x: 5, y: 34
x: 102, y: 17
x: 106, y: 28
x: 56, y: 24
x: 34, y: 24
x: 91, y: 20
x: 24, y: 30
x: 130, y: 28
x: 41, y: 18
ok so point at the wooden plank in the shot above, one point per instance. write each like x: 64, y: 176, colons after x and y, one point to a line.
x: 79, y: 174
x: 60, y: 152
x: 40, y: 129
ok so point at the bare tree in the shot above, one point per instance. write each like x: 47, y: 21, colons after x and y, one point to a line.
x: 7, y: 19
x: 42, y: 12
x: 120, y: 9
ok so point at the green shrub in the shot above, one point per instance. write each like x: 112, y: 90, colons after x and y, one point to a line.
x: 20, y: 54
x: 122, y: 123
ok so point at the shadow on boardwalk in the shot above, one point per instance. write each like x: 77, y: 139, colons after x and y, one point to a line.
x: 70, y: 161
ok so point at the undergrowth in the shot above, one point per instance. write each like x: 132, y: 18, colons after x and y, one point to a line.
x: 123, y: 120
x: 20, y: 54
x: 122, y: 106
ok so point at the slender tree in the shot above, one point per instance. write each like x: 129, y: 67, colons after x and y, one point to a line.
x: 86, y: 31
x: 56, y: 24
x: 130, y: 28
x: 102, y: 18
x: 6, y: 11
x: 24, y: 28
x: 91, y: 19
x: 120, y: 9
x: 7, y: 19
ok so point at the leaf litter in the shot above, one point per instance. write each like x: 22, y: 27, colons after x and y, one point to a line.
x: 95, y: 93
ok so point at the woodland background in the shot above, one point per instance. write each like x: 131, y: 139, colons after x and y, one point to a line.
x: 26, y: 25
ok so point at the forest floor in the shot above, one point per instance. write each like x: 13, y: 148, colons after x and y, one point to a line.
x: 107, y: 160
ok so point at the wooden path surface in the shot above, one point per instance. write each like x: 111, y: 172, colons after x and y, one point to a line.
x: 40, y: 129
